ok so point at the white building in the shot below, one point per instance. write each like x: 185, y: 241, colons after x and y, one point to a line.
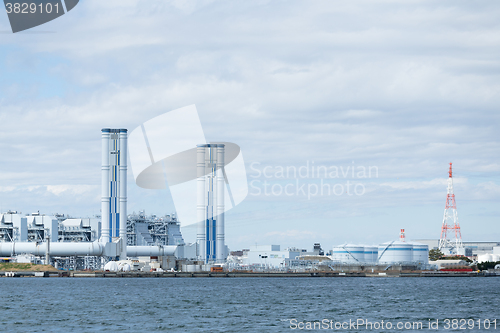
x: 15, y: 227
x: 269, y: 256
x: 80, y: 230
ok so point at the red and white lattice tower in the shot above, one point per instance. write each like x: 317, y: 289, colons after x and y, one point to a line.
x: 451, y: 237
x: 402, y: 237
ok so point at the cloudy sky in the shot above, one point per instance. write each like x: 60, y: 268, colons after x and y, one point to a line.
x: 403, y: 87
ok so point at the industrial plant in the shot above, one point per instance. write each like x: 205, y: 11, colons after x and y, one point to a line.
x: 118, y: 241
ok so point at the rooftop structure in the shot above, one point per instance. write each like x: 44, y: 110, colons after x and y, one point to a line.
x: 143, y: 230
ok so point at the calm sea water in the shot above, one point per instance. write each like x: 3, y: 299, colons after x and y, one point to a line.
x: 244, y: 304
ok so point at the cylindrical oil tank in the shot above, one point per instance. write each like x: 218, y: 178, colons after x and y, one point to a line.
x: 192, y: 268
x: 420, y: 253
x: 371, y: 254
x: 395, y: 252
x: 348, y: 253
x: 338, y: 254
x: 484, y: 257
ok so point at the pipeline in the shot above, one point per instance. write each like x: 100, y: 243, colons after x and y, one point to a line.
x: 61, y: 249
x: 56, y: 249
x: 158, y: 251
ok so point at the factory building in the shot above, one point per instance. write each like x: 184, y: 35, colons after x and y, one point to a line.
x: 142, y: 230
x: 15, y: 227
x: 151, y: 230
x: 79, y: 230
x: 268, y: 256
x: 494, y: 256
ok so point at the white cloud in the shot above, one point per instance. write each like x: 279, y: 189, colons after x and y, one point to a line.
x: 73, y: 189
x: 290, y: 234
x: 419, y: 185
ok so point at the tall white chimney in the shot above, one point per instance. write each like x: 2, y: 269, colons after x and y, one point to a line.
x: 123, y: 191
x: 220, y: 246
x: 201, y: 209
x: 105, y: 197
x: 210, y: 202
x: 114, y: 187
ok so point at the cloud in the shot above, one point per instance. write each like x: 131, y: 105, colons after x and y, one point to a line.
x: 419, y: 185
x: 73, y: 189
x: 290, y: 234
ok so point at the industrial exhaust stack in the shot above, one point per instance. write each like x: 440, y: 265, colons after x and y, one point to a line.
x: 210, y: 205
x: 114, y: 189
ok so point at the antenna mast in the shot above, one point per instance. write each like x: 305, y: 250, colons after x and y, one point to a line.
x: 450, y: 227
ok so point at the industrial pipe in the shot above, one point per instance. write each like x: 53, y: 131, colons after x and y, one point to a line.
x: 56, y: 249
x: 155, y: 251
x: 62, y: 249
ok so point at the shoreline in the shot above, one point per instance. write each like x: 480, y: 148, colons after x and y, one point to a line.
x: 101, y: 274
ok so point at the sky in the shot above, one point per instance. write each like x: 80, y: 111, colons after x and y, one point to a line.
x: 401, y: 88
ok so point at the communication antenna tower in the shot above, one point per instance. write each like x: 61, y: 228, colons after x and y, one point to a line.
x: 450, y: 241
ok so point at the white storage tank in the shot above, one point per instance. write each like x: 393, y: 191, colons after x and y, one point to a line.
x: 420, y: 253
x: 111, y: 266
x: 193, y: 268
x: 371, y: 254
x: 484, y: 257
x: 395, y: 252
x: 338, y: 254
x: 348, y: 253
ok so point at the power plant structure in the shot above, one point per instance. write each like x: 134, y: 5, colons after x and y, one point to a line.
x: 451, y: 245
x: 143, y: 230
x: 38, y: 235
x: 210, y: 203
x: 116, y: 235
